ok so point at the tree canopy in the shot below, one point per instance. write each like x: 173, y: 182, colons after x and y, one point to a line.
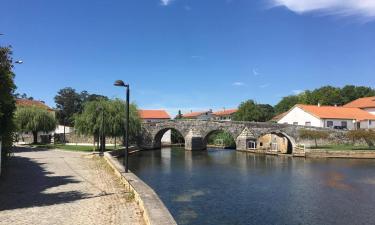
x: 69, y: 102
x: 7, y: 100
x: 251, y: 111
x: 34, y: 119
x: 89, y: 122
x: 326, y: 95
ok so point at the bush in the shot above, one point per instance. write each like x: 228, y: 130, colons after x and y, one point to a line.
x: 367, y: 135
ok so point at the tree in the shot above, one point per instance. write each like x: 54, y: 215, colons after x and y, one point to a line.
x: 89, y: 122
x: 179, y: 115
x: 34, y: 119
x: 313, y: 134
x: 222, y: 137
x: 286, y: 103
x: 7, y: 100
x: 68, y: 102
x: 367, y: 135
x: 251, y: 111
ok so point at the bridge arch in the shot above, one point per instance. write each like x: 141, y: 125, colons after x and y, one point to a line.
x: 276, y: 141
x: 226, y: 134
x: 158, y: 137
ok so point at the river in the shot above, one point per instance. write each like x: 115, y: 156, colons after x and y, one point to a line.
x: 226, y: 187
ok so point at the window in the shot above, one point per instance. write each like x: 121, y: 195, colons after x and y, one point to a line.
x: 295, y: 123
x: 344, y: 124
x: 370, y: 122
x: 329, y: 123
x: 252, y: 145
x: 308, y: 124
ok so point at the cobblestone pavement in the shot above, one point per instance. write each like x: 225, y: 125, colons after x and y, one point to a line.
x: 52, y: 187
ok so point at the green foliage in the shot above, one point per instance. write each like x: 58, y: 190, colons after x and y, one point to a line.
x: 69, y: 102
x: 89, y: 122
x: 221, y: 137
x: 7, y: 100
x: 326, y: 95
x: 34, y: 119
x: 251, y: 111
x: 313, y: 134
x: 176, y: 137
x: 367, y: 135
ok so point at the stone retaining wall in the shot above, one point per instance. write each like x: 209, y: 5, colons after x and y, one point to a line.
x: 355, y: 154
x: 154, y: 210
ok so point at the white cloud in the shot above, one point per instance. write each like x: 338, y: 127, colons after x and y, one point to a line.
x: 297, y: 92
x: 255, y: 72
x: 165, y: 2
x: 362, y: 8
x: 238, y: 83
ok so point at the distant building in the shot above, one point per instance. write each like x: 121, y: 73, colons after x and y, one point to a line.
x: 329, y: 117
x: 206, y: 115
x: 367, y: 104
x: 154, y: 116
x: 225, y: 115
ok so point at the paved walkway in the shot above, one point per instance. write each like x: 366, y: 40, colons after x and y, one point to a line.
x: 56, y: 187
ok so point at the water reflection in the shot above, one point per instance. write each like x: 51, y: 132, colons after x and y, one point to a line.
x: 229, y: 187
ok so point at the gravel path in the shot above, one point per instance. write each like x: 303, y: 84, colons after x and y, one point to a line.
x: 56, y: 187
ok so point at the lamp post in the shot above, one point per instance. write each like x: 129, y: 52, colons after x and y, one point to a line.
x: 120, y: 83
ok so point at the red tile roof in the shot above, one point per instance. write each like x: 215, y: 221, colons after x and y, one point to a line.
x: 193, y: 114
x: 332, y: 112
x: 226, y: 112
x: 279, y: 117
x: 362, y: 103
x: 153, y: 114
x: 27, y: 102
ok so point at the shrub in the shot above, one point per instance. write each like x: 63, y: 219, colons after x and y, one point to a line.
x: 367, y: 135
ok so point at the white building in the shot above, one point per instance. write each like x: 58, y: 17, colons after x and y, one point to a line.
x: 367, y: 104
x: 225, y: 115
x: 154, y: 116
x: 206, y: 115
x: 329, y: 117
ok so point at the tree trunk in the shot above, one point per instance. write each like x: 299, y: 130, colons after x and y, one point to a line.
x: 316, y: 143
x: 35, y: 136
x: 115, y: 144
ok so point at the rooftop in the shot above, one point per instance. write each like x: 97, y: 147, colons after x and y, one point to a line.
x: 153, y: 114
x: 194, y: 114
x: 28, y: 102
x: 368, y: 102
x: 333, y: 112
x: 225, y: 112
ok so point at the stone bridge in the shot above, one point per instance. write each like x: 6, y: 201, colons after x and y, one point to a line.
x: 253, y: 136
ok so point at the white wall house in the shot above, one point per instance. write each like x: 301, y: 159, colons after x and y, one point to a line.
x: 329, y: 117
x: 206, y: 115
x: 154, y: 116
x: 367, y: 104
x: 225, y: 115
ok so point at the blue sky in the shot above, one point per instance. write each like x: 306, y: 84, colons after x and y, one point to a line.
x: 190, y: 54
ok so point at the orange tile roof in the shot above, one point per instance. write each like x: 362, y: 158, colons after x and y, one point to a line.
x: 153, y: 114
x: 332, y: 112
x: 225, y: 112
x: 27, y: 102
x: 193, y: 114
x: 362, y: 103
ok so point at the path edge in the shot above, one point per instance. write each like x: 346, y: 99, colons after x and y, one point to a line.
x: 154, y: 210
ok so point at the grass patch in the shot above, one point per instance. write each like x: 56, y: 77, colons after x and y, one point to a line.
x: 343, y: 147
x: 78, y: 148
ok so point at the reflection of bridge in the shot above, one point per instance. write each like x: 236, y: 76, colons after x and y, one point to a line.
x: 283, y: 138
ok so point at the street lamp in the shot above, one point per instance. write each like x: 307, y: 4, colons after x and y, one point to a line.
x: 120, y: 83
x: 19, y: 61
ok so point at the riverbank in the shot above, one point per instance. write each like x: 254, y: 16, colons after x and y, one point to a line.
x: 352, y: 154
x: 154, y: 210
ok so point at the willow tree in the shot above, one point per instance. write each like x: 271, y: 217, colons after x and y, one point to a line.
x: 34, y: 119
x: 110, y: 114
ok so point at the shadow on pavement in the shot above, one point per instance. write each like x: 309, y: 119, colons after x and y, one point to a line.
x: 23, y: 182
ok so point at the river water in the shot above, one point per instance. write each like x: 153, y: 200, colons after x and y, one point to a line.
x: 226, y: 187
